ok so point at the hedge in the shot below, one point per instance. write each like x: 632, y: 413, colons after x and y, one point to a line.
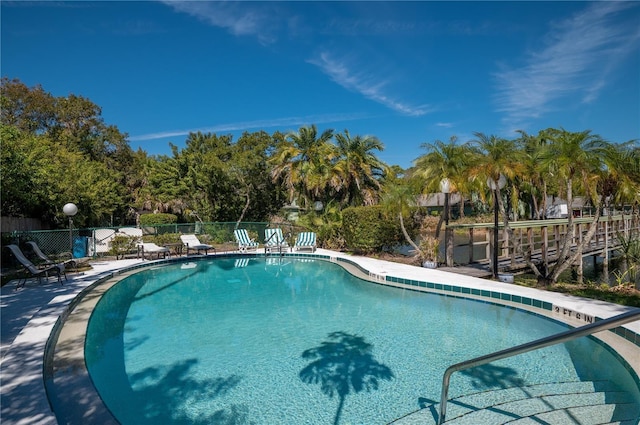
x: 159, y: 218
x: 369, y: 229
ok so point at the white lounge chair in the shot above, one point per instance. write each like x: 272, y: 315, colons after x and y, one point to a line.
x: 274, y: 240
x: 192, y: 242
x: 306, y: 240
x: 151, y: 248
x: 57, y: 269
x: 245, y: 243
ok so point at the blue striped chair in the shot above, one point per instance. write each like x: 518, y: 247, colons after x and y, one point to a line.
x: 306, y: 240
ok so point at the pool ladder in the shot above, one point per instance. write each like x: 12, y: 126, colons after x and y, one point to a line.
x: 601, y: 325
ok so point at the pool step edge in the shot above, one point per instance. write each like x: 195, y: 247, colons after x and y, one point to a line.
x: 583, y: 403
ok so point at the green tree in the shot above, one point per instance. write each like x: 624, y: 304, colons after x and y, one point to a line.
x: 533, y: 180
x: 259, y: 195
x: 358, y: 169
x: 493, y: 156
x: 161, y: 188
x: 397, y: 200
x: 31, y: 110
x: 622, y: 163
x: 445, y: 161
x: 576, y: 160
x: 69, y: 126
x: 202, y: 166
x: 18, y: 197
x: 303, y: 163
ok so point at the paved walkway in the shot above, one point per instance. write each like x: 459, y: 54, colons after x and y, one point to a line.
x: 29, y: 314
x: 27, y: 317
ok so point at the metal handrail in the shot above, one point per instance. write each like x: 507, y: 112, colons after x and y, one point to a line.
x: 589, y: 329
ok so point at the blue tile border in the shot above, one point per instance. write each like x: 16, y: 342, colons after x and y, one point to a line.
x: 491, y: 296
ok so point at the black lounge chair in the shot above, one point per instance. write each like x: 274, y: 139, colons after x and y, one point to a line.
x: 32, y: 270
x: 45, y: 261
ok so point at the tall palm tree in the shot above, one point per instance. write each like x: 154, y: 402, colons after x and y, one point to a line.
x: 576, y: 160
x: 301, y: 162
x: 533, y: 180
x: 492, y: 157
x: 445, y: 160
x: 358, y: 168
x: 623, y: 170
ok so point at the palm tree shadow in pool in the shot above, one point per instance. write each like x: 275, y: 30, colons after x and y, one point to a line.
x: 343, y: 364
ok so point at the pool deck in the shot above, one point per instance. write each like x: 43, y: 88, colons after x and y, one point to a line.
x: 29, y: 314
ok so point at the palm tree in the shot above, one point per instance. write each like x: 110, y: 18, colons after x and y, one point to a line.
x: 494, y: 156
x: 623, y: 169
x: 445, y: 161
x: 301, y: 162
x: 533, y: 181
x: 358, y: 168
x: 576, y: 160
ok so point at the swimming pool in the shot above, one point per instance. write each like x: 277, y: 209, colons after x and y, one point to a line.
x: 280, y: 340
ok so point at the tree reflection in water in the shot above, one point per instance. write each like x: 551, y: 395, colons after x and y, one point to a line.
x: 342, y: 364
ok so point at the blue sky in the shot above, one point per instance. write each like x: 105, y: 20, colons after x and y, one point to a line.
x: 406, y: 72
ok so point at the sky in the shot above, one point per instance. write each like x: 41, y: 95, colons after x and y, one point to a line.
x: 408, y: 73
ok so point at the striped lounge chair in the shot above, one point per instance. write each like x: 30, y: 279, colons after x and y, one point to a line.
x: 274, y: 240
x: 306, y: 240
x: 245, y: 243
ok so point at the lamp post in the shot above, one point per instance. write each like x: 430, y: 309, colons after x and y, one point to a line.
x: 70, y: 210
x: 495, y: 187
x: 445, y: 187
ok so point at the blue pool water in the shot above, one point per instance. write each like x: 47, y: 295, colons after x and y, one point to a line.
x: 285, y: 341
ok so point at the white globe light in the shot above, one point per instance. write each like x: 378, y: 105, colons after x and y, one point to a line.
x: 70, y: 209
x: 502, y: 181
x: 445, y: 185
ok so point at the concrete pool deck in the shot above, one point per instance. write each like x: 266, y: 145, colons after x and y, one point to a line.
x: 28, y: 316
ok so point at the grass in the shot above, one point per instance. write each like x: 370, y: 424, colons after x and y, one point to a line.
x: 625, y: 294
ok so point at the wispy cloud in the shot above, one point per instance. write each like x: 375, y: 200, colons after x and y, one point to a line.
x: 575, y: 63
x: 239, y: 18
x: 370, y: 86
x: 257, y: 124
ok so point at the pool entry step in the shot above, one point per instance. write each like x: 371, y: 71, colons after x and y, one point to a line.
x: 581, y: 403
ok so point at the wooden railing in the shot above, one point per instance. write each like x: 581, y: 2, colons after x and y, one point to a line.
x: 543, y: 237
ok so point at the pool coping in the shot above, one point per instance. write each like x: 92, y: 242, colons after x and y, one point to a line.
x: 568, y: 309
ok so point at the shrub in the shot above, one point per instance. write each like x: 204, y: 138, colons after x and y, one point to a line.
x: 219, y: 233
x: 122, y: 244
x: 163, y: 238
x: 160, y: 218
x: 368, y: 229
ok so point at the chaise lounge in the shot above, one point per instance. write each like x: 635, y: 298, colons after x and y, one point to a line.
x: 245, y: 243
x: 192, y: 242
x: 148, y: 248
x: 43, y: 260
x: 273, y: 239
x: 306, y: 240
x: 32, y: 270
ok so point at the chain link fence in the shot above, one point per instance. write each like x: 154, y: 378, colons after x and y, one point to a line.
x: 96, y: 242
